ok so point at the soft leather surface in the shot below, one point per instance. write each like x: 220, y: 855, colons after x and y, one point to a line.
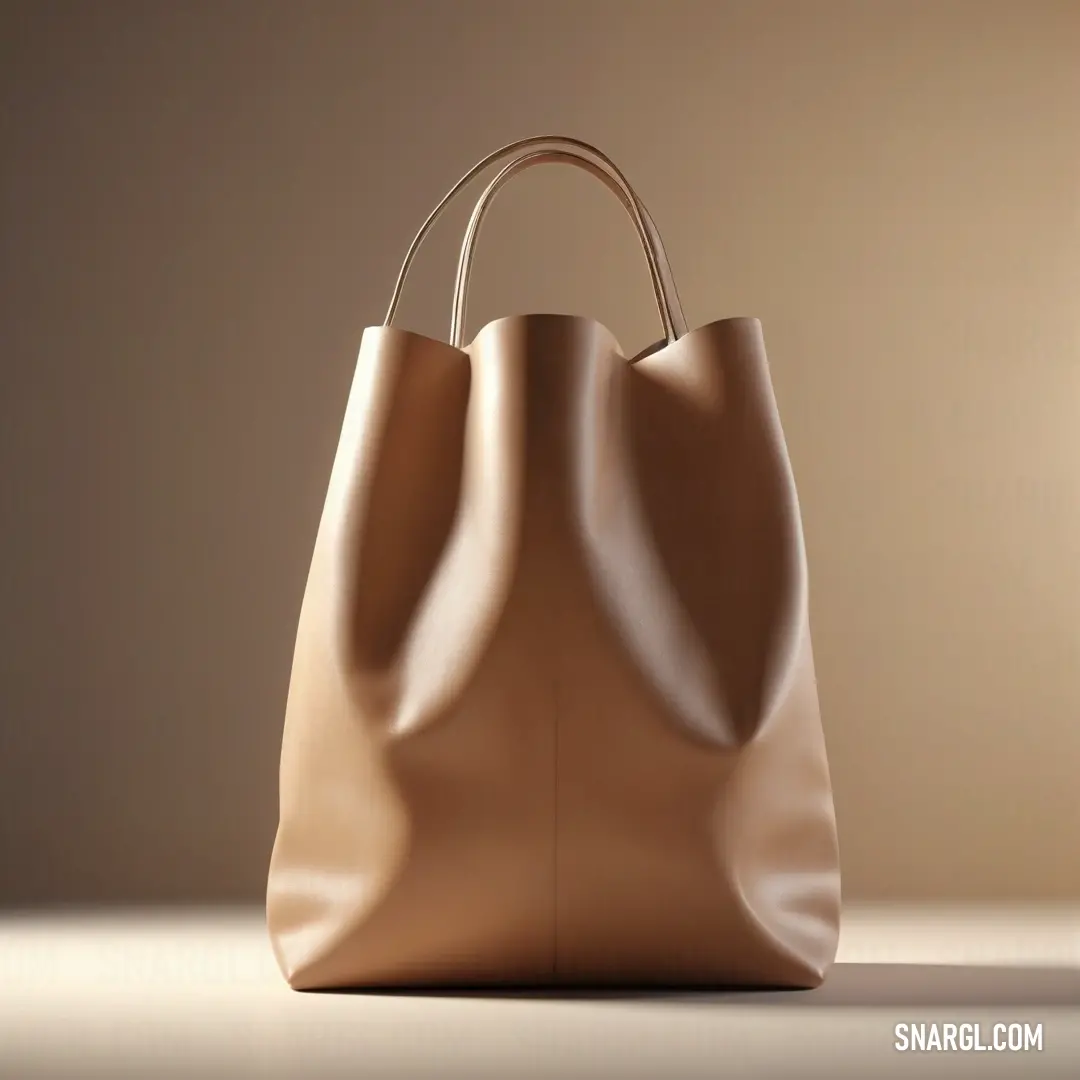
x: 553, y: 715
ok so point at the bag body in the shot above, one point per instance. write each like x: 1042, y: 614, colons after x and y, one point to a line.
x: 552, y: 717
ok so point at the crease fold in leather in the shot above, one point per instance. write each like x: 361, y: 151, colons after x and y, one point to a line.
x: 553, y: 716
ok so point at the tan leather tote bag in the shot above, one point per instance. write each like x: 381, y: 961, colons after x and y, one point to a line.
x: 553, y: 717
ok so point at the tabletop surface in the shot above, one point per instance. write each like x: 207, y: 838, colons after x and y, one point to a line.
x: 178, y: 994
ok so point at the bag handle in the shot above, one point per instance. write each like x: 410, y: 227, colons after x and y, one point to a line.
x: 660, y: 269
x: 667, y: 301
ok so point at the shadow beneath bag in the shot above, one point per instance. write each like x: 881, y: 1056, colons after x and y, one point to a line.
x: 848, y: 986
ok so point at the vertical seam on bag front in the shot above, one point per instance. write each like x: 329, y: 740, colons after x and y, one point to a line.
x: 555, y: 714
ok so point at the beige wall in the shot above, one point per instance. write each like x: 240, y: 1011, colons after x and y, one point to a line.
x: 205, y: 203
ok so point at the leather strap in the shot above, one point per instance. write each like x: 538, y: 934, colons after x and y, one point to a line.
x: 595, y: 161
x: 615, y: 183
